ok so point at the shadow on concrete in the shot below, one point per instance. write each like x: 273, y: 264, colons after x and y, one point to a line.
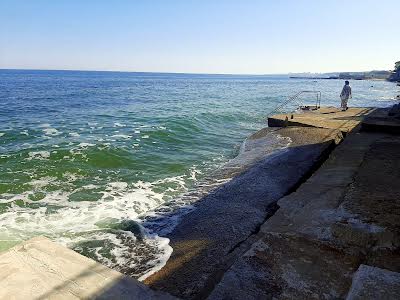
x: 118, y: 287
x: 226, y: 221
x: 356, y: 117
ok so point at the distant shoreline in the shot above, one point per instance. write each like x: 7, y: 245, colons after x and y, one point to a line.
x: 368, y: 75
x: 335, y: 78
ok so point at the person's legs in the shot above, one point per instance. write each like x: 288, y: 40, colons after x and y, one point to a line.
x: 344, y: 104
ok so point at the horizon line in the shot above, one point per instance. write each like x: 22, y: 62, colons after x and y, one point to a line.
x: 188, y: 73
x: 153, y: 72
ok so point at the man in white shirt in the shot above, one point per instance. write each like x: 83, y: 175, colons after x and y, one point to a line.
x: 345, y: 95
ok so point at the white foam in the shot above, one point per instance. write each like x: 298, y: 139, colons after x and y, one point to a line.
x: 90, y: 186
x: 75, y: 217
x: 51, y: 131
x: 118, y: 185
x: 2, y: 133
x: 119, y: 125
x: 71, y: 221
x: 165, y: 250
x: 41, y: 182
x: 122, y: 136
x: 74, y: 134
x: 193, y: 173
x: 254, y: 150
x: 145, y: 137
x: 85, y: 145
x: 71, y: 176
x: 38, y: 155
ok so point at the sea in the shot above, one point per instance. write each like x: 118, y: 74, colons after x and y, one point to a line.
x: 107, y: 163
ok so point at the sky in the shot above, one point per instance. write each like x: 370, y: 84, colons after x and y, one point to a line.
x: 200, y: 36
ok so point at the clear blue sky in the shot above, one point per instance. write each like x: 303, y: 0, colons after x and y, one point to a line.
x: 203, y: 36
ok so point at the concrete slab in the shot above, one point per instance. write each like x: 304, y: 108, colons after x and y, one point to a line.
x: 325, y: 117
x: 345, y: 214
x: 42, y: 269
x: 371, y: 283
x: 288, y: 266
x: 207, y: 240
x: 323, y: 191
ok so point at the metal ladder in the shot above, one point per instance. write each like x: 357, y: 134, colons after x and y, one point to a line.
x: 300, y: 105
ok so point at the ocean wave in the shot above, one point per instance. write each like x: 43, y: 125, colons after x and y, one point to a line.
x: 108, y: 229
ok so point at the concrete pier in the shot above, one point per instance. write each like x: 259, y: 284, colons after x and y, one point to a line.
x: 42, y: 269
x: 325, y: 117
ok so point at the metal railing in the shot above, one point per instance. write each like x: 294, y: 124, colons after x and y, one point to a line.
x: 295, y: 98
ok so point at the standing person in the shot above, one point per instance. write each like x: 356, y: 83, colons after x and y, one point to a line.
x: 345, y: 95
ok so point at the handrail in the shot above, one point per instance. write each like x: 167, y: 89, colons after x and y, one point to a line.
x: 295, y: 97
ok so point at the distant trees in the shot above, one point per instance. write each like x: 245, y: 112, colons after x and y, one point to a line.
x: 397, y: 66
x: 396, y: 73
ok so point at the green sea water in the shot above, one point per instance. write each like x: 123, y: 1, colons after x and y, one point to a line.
x: 107, y: 162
